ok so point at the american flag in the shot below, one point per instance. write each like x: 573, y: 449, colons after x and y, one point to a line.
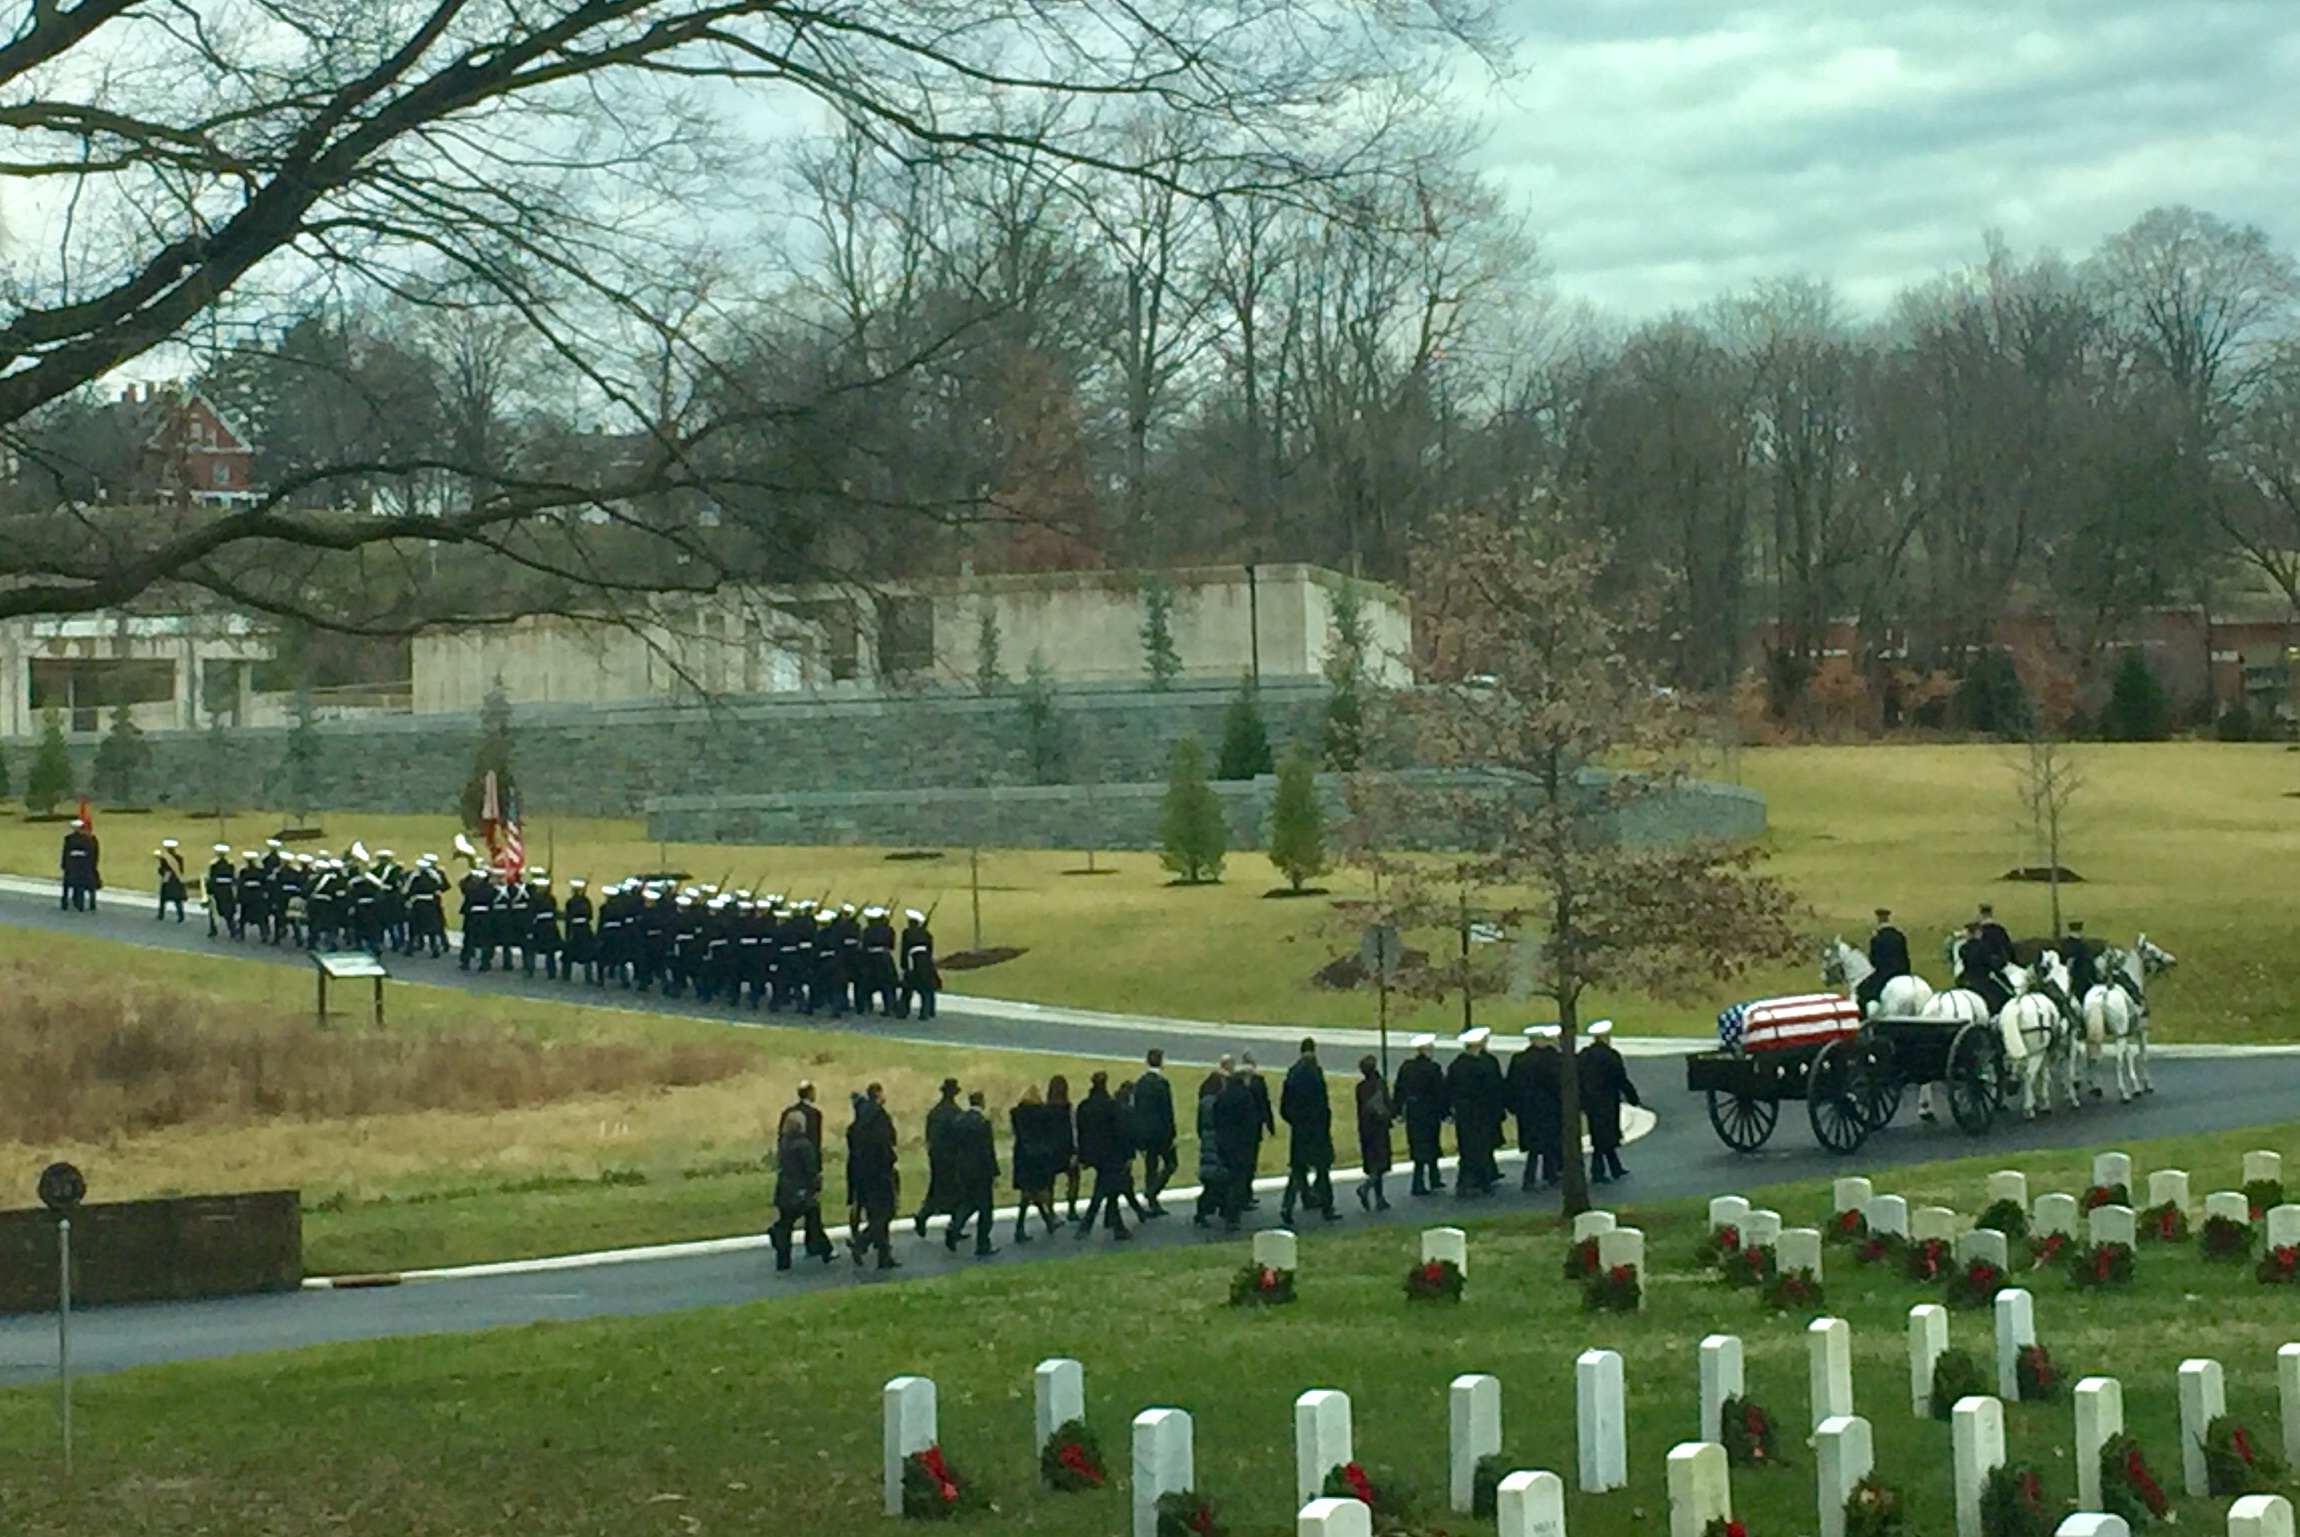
x: 499, y: 820
x: 1802, y: 1019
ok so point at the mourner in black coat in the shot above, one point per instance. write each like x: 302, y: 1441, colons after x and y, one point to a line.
x: 1420, y: 1097
x: 1309, y: 1116
x: 1540, y: 1110
x: 1605, y: 1088
x: 1105, y: 1147
x: 798, y: 1192
x: 1237, y: 1132
x: 941, y: 1161
x: 2083, y: 967
x: 974, y: 1170
x: 1038, y: 1160
x: 873, y: 1184
x: 1374, y: 1120
x: 1154, y: 1129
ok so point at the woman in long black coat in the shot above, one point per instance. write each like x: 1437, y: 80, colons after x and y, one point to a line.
x: 1062, y: 1123
x: 798, y: 1192
x: 1375, y: 1118
x: 1037, y: 1160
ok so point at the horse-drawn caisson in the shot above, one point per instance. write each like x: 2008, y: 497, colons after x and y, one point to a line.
x: 1851, y: 1071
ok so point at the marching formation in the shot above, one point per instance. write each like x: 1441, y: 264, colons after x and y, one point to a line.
x: 643, y: 933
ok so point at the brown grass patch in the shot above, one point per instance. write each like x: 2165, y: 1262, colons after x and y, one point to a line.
x: 102, y: 1060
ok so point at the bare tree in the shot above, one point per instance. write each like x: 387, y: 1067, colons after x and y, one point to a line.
x: 1536, y: 680
x: 2050, y: 779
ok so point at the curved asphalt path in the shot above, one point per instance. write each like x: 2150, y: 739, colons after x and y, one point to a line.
x: 2199, y: 1090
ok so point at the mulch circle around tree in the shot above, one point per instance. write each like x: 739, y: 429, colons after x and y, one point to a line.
x: 975, y: 960
x: 1280, y: 893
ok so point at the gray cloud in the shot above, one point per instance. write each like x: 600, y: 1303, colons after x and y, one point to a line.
x: 1667, y: 151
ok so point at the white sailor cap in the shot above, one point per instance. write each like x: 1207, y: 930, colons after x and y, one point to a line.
x: 1531, y: 1032
x: 383, y: 853
x: 826, y: 916
x: 874, y: 912
x: 1548, y: 1032
x: 219, y: 848
x: 1423, y: 1042
x: 248, y: 854
x: 577, y: 884
x: 539, y: 874
x: 847, y: 908
x: 1476, y: 1037
x: 427, y: 859
x: 914, y: 915
x: 167, y: 843
x: 271, y: 843
x: 1601, y: 1029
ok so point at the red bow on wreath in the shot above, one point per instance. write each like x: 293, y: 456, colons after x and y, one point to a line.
x: 1073, y: 1456
x: 930, y: 1462
x: 2136, y: 1473
x: 1361, y: 1487
x: 2241, y: 1439
x: 1433, y: 1271
x: 2102, y: 1261
x: 1728, y: 1239
x: 2166, y: 1222
x: 1269, y: 1279
x: 2031, y: 1487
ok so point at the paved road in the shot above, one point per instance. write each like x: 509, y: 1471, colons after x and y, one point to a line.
x: 1679, y: 1158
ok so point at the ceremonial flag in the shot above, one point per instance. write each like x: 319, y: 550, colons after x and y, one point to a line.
x: 1803, y: 1019
x: 514, y: 842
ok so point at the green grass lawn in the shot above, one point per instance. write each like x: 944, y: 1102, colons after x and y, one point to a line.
x: 765, y: 1417
x: 2189, y: 841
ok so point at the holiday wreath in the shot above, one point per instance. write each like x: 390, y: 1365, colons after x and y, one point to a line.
x: 1260, y: 1285
x: 932, y: 1489
x: 2012, y: 1504
x: 2127, y: 1488
x: 2236, y: 1462
x: 1071, y: 1460
x: 1750, y: 1438
x: 1435, y: 1280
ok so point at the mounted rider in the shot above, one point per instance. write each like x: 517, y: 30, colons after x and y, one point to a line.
x: 2083, y: 970
x: 1889, y: 958
x: 1981, y: 960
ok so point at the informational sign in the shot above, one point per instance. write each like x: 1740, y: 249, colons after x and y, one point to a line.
x: 1381, y: 950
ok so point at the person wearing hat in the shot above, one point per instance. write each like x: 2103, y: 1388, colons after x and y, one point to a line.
x: 1420, y: 1097
x: 170, y: 861
x: 1480, y: 1098
x: 77, y: 864
x: 1309, y: 1117
x: 1533, y: 1095
x: 257, y: 910
x: 920, y: 980
x: 1977, y: 971
x: 973, y: 1152
x: 1888, y: 958
x: 1605, y: 1086
x: 941, y: 1166
x: 542, y: 934
x: 877, y: 985
x: 2083, y: 969
x: 1375, y: 1117
x: 426, y: 908
x: 221, y: 883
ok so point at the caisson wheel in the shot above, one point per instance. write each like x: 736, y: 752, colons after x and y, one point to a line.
x: 1743, y: 1121
x: 1976, y: 1077
x: 1837, y: 1097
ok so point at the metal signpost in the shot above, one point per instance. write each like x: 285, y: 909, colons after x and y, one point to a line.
x: 61, y: 1189
x: 349, y: 965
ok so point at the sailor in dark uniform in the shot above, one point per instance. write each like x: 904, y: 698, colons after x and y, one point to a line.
x: 1605, y: 1088
x: 427, y: 908
x: 78, y: 864
x: 875, y: 991
x: 541, y: 936
x: 478, y: 897
x: 1420, y: 1097
x: 1479, y: 1099
x: 1888, y: 958
x: 579, y: 946
x: 1540, y: 1110
x: 170, y: 872
x: 222, y: 884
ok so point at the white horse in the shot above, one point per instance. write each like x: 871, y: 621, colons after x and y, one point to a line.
x: 2116, y: 1013
x: 2038, y: 1033
x: 1845, y: 966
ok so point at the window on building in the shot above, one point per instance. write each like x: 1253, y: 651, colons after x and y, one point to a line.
x: 905, y: 637
x: 83, y: 688
x: 223, y: 472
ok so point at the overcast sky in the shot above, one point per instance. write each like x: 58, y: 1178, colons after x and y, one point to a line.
x: 1667, y: 151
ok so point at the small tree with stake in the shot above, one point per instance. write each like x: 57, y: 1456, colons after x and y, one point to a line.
x: 302, y: 763
x: 1245, y: 738
x: 121, y: 758
x: 1297, y: 822
x: 1191, y: 826
x: 1530, y: 674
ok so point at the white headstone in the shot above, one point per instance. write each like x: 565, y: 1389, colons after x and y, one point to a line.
x: 2016, y: 1327
x: 908, y: 1403
x: 2169, y: 1187
x: 2230, y: 1204
x: 1829, y: 1366
x: 1446, y: 1243
x: 1700, y: 1488
x: 1928, y: 1337
x: 1800, y: 1249
x: 2056, y: 1212
x: 1276, y: 1249
x: 1927, y: 1223
x: 1335, y: 1518
x: 2009, y: 1185
x: 2099, y: 1419
x: 2203, y: 1399
x: 2092, y: 1523
x: 2288, y: 1400
x: 1982, y: 1243
x: 1530, y: 1504
x: 1851, y: 1194
x: 2111, y: 1224
x: 1721, y: 1378
x: 2284, y: 1226
x: 1593, y: 1224
x: 2261, y: 1164
x: 2260, y: 1515
x: 1601, y: 1417
x: 1728, y: 1211
x: 1762, y: 1230
x: 1321, y: 1440
x: 1165, y: 1462
x: 1846, y: 1452
x: 1059, y: 1391
x: 1473, y: 1433
x: 1622, y: 1246
x: 1977, y: 1440
x: 2110, y: 1170
x: 1888, y: 1214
